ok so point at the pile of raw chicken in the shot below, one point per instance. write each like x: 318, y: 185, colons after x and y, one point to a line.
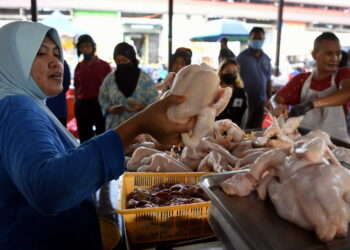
x: 301, y: 175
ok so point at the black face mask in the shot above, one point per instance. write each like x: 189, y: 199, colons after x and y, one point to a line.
x: 88, y: 57
x: 229, y: 78
x: 126, y: 77
x: 124, y: 67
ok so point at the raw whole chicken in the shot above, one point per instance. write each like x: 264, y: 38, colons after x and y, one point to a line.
x: 242, y: 147
x: 191, y: 157
x: 315, y: 197
x: 309, y: 187
x: 316, y: 133
x: 205, y: 99
x: 276, y: 135
x: 199, y: 160
x: 315, y: 150
x: 135, y: 161
x: 227, y: 132
x: 244, y: 184
x: 161, y: 162
x: 214, y: 161
x: 248, y: 159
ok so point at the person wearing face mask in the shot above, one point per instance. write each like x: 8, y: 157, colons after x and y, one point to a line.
x: 256, y: 71
x: 237, y: 108
x: 88, y: 77
x: 127, y: 90
x: 321, y: 95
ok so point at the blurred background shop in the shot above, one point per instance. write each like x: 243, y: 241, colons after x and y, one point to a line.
x: 144, y: 24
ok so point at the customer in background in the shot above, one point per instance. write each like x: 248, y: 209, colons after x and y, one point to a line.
x: 225, y: 52
x: 187, y: 50
x: 180, y: 59
x: 256, y: 71
x: 88, y: 77
x: 127, y: 90
x: 237, y: 108
x: 58, y: 104
x: 46, y: 178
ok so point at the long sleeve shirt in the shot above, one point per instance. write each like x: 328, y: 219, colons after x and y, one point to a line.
x: 46, y: 184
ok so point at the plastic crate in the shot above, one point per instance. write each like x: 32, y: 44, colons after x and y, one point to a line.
x: 162, y: 223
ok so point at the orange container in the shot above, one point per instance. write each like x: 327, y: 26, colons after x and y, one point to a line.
x: 162, y: 223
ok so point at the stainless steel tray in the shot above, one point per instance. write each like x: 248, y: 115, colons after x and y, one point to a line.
x: 249, y: 223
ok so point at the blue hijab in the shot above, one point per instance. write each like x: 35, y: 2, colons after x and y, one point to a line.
x: 19, y: 43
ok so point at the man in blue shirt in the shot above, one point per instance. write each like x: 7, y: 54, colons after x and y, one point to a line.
x: 256, y: 75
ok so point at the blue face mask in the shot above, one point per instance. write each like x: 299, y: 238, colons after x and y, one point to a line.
x: 256, y: 44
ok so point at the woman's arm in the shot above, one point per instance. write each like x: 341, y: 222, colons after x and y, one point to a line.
x: 51, y: 174
x: 154, y: 121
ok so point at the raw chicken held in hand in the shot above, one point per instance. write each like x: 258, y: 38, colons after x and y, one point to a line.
x: 205, y: 99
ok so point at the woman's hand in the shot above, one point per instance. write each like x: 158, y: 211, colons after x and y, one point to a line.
x: 115, y: 109
x: 135, y: 107
x: 154, y: 121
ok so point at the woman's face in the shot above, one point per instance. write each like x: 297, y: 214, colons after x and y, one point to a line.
x: 178, y: 64
x: 120, y: 59
x: 227, y: 78
x: 86, y: 48
x: 47, y: 69
x: 230, y: 69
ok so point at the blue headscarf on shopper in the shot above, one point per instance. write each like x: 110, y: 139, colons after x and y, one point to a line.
x: 19, y: 43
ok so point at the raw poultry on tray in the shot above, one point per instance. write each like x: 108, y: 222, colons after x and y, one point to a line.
x: 301, y: 175
x: 225, y: 148
x: 304, y: 180
x: 213, y: 145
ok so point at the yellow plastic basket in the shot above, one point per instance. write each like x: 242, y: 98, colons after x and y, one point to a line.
x: 162, y: 223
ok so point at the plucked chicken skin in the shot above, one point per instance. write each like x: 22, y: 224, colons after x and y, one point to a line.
x: 308, y: 187
x: 315, y: 197
x: 205, y: 99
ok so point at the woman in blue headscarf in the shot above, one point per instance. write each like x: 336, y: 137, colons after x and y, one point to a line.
x: 46, y: 178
